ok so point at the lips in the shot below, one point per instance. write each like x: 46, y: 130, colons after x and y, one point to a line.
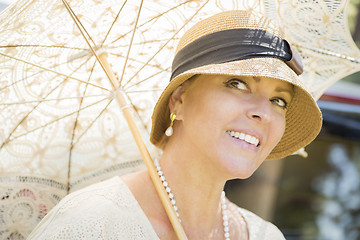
x: 245, y: 137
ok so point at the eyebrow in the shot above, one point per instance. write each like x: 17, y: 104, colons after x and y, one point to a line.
x: 285, y: 90
x: 279, y: 89
x: 257, y: 79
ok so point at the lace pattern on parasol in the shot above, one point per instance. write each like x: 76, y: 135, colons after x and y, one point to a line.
x: 319, y: 30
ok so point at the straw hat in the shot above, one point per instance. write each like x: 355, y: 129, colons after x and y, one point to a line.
x: 242, y: 43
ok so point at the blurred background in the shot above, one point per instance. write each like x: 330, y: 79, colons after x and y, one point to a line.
x: 317, y: 197
x: 4, y: 4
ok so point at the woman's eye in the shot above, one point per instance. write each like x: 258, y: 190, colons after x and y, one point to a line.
x: 280, y: 102
x: 237, y: 83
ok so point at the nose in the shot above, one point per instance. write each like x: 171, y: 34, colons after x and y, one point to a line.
x: 259, y: 109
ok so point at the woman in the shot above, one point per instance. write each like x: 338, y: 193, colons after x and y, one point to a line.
x: 234, y: 100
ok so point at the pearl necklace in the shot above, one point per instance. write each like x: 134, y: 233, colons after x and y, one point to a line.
x: 173, y: 202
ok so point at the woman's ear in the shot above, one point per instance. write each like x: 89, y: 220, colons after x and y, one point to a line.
x: 176, y: 102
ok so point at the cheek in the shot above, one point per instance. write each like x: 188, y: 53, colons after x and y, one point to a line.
x: 202, y: 112
x: 205, y: 113
x: 278, y: 129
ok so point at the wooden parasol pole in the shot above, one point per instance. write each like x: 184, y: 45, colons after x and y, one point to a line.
x: 119, y: 95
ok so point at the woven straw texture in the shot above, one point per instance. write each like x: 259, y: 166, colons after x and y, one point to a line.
x: 229, y: 20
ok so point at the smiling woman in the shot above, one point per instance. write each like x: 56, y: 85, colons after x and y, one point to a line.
x: 234, y: 101
x: 215, y: 111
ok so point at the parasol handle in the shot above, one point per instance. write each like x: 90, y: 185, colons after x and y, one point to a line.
x: 119, y: 95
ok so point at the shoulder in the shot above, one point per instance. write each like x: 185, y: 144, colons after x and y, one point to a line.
x: 111, y: 191
x: 258, y: 228
x: 105, y: 209
x: 104, y: 195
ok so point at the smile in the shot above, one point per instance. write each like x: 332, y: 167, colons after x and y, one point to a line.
x: 245, y: 137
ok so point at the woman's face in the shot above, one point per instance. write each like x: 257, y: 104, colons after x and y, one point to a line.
x: 235, y: 122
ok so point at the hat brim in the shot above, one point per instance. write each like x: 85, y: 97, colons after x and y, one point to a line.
x: 303, y: 117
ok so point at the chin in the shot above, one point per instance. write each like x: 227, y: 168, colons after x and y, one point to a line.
x: 239, y: 165
x: 242, y: 170
x: 243, y: 174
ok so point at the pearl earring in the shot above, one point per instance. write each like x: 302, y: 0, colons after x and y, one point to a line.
x: 169, y: 131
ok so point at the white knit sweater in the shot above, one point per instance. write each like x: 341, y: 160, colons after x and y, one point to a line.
x: 108, y: 210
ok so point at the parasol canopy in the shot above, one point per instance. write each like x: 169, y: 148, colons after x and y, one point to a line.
x: 62, y: 127
x: 319, y: 30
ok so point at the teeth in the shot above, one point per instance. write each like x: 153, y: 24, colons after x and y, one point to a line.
x: 242, y: 136
x: 254, y: 141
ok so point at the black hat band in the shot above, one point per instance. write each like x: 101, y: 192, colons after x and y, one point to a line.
x: 233, y: 45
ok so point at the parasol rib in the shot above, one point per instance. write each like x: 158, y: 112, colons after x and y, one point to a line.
x: 27, y: 115
x: 53, y: 99
x: 48, y: 123
x: 40, y: 46
x: 156, y: 17
x: 146, y: 90
x: 74, y: 128
x: 131, y: 41
x: 331, y: 53
x: 145, y: 79
x: 7, y: 140
x: 93, y: 121
x: 50, y: 70
x: 113, y: 23
x: 186, y: 22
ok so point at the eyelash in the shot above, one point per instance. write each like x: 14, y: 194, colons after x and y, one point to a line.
x: 234, y: 82
x: 279, y: 98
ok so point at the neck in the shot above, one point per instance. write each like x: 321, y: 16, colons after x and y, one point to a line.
x: 197, y: 190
